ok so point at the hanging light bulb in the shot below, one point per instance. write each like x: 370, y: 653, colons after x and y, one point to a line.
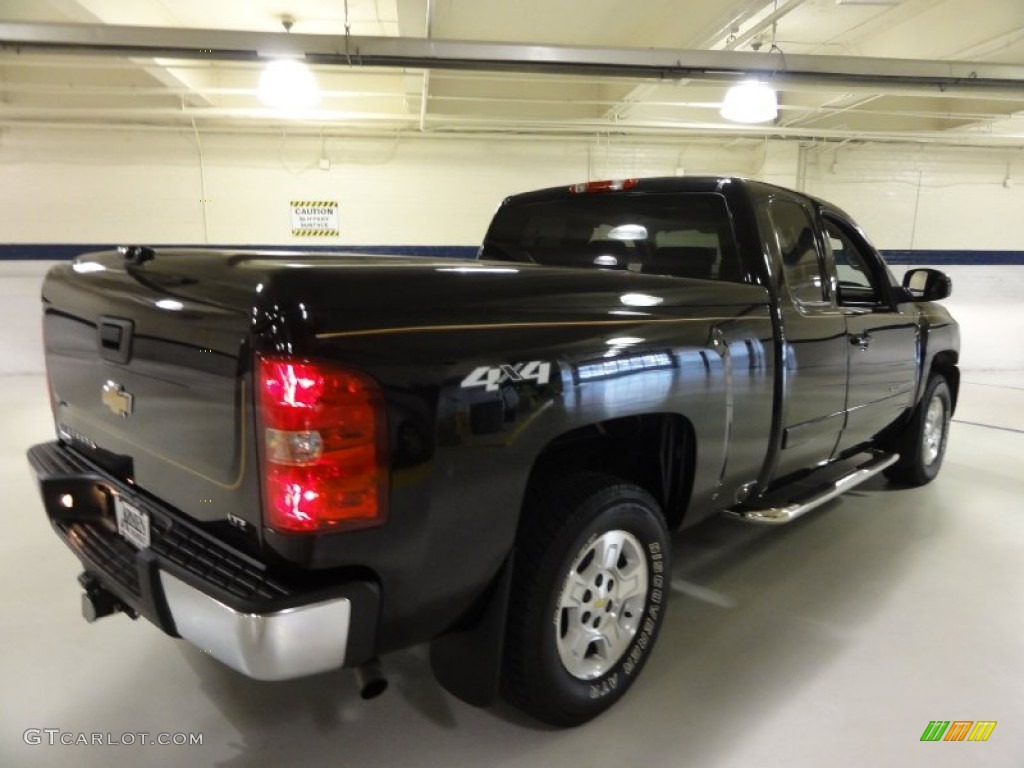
x: 750, y: 102
x: 288, y: 84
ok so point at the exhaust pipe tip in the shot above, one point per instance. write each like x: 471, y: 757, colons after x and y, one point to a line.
x: 98, y: 602
x: 370, y: 679
x: 96, y: 605
x: 90, y: 611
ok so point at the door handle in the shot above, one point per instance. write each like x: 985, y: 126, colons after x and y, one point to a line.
x: 862, y: 340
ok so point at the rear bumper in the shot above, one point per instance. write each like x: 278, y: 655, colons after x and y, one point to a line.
x: 196, y: 587
x: 292, y: 642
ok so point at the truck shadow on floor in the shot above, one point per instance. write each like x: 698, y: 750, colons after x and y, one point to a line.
x: 757, y: 613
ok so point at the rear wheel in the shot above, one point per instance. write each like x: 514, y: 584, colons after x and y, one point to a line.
x: 923, y: 446
x: 587, y: 598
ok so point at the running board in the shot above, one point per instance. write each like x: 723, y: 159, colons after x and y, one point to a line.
x: 816, y: 496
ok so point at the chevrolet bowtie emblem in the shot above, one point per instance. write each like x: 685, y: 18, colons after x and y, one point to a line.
x: 116, y: 399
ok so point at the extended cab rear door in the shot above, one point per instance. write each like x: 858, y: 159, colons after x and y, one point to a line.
x: 814, y: 375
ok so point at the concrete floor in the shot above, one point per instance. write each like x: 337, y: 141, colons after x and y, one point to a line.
x: 831, y: 642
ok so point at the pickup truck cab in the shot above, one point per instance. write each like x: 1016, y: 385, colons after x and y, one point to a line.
x: 299, y: 462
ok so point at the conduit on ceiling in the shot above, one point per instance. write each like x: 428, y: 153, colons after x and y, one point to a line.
x: 420, y: 53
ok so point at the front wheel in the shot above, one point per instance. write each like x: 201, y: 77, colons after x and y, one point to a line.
x: 923, y: 446
x: 588, y: 597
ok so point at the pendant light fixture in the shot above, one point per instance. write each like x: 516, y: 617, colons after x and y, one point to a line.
x: 753, y: 101
x: 287, y: 83
x: 750, y: 102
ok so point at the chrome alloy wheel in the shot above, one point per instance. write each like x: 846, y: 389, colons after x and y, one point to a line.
x: 934, y: 431
x: 601, y: 604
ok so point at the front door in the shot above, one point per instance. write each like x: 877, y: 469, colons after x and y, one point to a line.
x: 882, y: 335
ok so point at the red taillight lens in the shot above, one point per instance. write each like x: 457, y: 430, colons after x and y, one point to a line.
x: 51, y: 395
x: 324, y: 446
x: 603, y: 186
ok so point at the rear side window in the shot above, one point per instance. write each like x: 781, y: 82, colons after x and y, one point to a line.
x: 679, y: 235
x: 801, y: 261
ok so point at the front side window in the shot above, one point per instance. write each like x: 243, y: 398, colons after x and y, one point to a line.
x: 678, y: 235
x: 857, y: 283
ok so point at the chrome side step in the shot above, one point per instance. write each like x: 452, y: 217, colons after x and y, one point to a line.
x: 816, y: 496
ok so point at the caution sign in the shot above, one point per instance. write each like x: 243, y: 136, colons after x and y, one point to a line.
x: 315, y: 218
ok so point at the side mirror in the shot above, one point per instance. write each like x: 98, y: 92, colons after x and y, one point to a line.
x: 927, y: 284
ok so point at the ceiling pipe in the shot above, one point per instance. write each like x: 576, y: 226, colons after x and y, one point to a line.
x: 425, y: 90
x: 734, y: 19
x: 802, y: 116
x: 466, y: 126
x: 401, y: 52
x: 650, y: 138
x: 761, y: 26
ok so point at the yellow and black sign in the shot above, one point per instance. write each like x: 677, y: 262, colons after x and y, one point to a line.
x: 314, y: 218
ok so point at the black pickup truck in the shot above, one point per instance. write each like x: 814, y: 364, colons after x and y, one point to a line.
x: 300, y: 462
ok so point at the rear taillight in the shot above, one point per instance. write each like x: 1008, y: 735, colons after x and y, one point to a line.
x: 592, y: 187
x: 324, y: 449
x: 51, y: 395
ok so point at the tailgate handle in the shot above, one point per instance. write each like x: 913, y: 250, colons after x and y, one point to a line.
x: 110, y: 336
x: 115, y: 339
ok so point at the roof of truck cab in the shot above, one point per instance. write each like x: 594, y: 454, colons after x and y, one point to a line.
x: 666, y: 184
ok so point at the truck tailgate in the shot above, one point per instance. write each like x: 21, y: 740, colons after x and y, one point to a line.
x: 147, y: 369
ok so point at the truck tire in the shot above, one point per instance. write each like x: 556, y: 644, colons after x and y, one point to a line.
x: 588, y: 597
x: 923, y: 445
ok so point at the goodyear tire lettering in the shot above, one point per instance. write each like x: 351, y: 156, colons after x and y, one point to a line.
x: 643, y: 638
x: 605, y: 687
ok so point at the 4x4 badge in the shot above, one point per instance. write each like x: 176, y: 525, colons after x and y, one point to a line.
x: 117, y: 400
x: 492, y: 377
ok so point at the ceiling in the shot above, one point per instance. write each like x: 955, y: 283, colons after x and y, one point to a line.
x: 927, y: 61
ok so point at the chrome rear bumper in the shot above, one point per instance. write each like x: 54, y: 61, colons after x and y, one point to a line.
x: 289, y: 643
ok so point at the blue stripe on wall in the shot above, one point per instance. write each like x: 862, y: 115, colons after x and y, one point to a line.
x: 955, y: 258
x: 63, y: 252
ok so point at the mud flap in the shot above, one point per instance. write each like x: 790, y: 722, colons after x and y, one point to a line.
x: 467, y: 660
